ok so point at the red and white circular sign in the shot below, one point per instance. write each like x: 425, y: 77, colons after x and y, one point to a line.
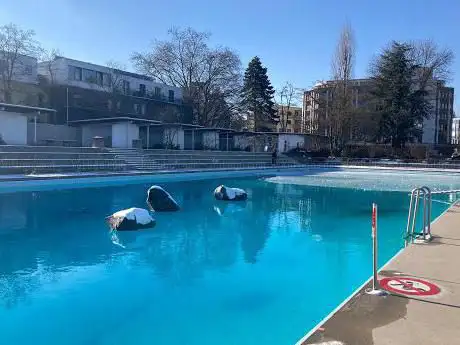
x: 409, y: 286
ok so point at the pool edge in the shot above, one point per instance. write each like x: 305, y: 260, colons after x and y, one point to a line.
x: 302, y: 340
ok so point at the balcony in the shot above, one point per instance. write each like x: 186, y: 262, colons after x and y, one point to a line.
x: 152, y: 96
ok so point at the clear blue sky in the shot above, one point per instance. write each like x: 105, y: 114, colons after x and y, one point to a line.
x: 294, y: 38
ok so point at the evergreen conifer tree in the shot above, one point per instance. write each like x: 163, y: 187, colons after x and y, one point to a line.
x: 401, y: 103
x: 257, y: 96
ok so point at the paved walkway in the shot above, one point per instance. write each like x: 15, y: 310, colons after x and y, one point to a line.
x: 407, y: 319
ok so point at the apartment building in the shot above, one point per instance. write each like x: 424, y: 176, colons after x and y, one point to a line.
x: 456, y: 131
x: 290, y: 120
x: 65, y: 71
x: 436, y: 128
x: 23, y: 80
x: 259, y: 125
x: 82, y: 91
x: 24, y: 68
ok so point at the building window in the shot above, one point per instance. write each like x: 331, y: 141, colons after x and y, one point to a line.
x: 157, y: 91
x: 106, y: 79
x: 91, y: 76
x: 143, y: 109
x: 136, y: 108
x: 171, y: 96
x: 76, y: 100
x: 99, y: 78
x: 75, y: 73
x: 41, y: 100
x: 118, y: 105
x: 142, y: 89
x: 125, y: 87
x: 109, y: 104
x: 28, y: 70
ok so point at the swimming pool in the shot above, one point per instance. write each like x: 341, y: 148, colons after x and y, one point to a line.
x: 264, y: 271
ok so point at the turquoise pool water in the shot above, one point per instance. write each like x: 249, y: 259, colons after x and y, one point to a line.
x: 265, y: 271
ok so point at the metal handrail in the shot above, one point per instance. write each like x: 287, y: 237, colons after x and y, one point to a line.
x: 411, y: 233
x: 427, y: 204
x: 453, y: 191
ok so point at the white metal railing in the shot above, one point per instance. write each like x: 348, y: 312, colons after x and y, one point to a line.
x: 411, y: 233
x: 453, y: 191
x: 391, y: 164
x: 416, y: 195
x: 183, y: 160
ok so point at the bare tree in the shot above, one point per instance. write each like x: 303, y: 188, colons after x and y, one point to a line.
x: 115, y: 80
x: 15, y: 44
x: 340, y: 101
x: 48, y: 57
x: 285, y: 98
x: 434, y: 62
x: 204, y: 73
x: 170, y: 136
x: 170, y: 114
x: 112, y: 82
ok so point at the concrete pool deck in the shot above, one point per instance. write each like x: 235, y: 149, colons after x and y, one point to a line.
x: 406, y: 319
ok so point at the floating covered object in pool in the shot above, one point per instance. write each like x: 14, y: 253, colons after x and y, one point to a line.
x: 227, y: 193
x: 131, y: 219
x: 160, y: 200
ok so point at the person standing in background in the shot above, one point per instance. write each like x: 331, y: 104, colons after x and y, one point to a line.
x: 274, y: 156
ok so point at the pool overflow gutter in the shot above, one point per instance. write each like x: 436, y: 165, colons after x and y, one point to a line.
x: 375, y: 290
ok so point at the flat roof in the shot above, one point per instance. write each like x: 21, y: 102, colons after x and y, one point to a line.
x: 24, y: 108
x: 126, y: 73
x: 175, y: 124
x: 116, y: 119
x: 218, y: 129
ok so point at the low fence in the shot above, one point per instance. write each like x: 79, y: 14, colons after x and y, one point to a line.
x: 79, y: 162
x: 452, y: 164
x: 20, y: 166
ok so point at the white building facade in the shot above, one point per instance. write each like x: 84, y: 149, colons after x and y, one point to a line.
x: 122, y: 119
x: 65, y: 71
x: 456, y: 131
x: 24, y: 68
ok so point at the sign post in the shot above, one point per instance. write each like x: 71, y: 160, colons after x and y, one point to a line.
x: 374, y: 247
x: 375, y: 283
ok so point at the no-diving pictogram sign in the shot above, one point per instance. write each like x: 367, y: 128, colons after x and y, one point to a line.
x: 409, y: 286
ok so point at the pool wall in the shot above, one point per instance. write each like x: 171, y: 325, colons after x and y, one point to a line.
x: 75, y: 181
x: 53, y: 182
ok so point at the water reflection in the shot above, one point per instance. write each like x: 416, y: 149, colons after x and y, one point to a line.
x: 45, y: 233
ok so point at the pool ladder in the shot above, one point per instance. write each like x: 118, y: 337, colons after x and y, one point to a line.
x: 416, y: 195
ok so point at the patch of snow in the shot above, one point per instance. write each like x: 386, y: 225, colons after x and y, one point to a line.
x: 233, y: 192
x: 373, y: 180
x: 46, y: 175
x: 140, y: 215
